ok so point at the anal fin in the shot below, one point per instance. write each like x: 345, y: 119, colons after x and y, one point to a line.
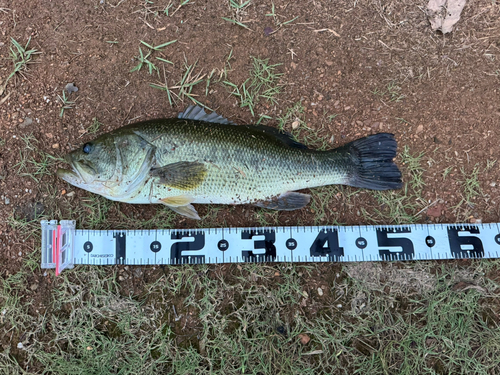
x: 288, y: 201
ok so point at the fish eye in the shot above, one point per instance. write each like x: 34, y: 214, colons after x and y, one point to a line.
x: 87, y: 148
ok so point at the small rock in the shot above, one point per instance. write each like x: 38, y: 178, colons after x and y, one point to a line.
x: 34, y: 287
x: 7, y: 200
x: 329, y: 63
x: 138, y: 272
x: 70, y: 194
x: 295, y: 124
x: 70, y: 87
x: 420, y: 129
x: 320, y: 292
x: 55, y: 145
x: 293, y: 65
x: 304, y: 338
x: 20, y: 345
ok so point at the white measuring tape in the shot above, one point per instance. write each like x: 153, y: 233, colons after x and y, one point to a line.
x: 63, y: 246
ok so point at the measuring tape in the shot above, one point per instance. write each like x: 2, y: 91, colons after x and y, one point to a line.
x: 63, y: 246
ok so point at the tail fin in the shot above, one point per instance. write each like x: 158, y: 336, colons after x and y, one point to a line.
x: 372, y: 165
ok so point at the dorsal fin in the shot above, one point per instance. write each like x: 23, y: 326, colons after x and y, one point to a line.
x: 198, y: 113
x: 286, y: 138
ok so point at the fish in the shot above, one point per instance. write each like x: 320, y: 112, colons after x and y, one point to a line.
x: 200, y: 158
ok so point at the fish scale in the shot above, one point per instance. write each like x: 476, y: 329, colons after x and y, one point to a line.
x: 244, y: 164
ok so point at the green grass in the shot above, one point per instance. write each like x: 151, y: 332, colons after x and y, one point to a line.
x: 21, y: 57
x: 371, y: 318
x: 392, y: 92
x: 238, y: 11
x: 276, y: 19
x: 143, y: 60
x: 33, y: 162
x: 413, y: 166
x: 293, y: 122
x: 65, y: 103
x: 183, y: 89
x: 471, y: 186
x: 323, y: 202
x: 292, y: 115
x: 170, y: 5
x: 95, y: 126
x: 263, y: 84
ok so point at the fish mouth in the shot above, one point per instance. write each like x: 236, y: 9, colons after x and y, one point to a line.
x: 75, y: 175
x: 70, y: 176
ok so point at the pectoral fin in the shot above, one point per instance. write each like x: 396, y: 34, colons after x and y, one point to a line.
x: 183, y: 175
x: 182, y: 205
x: 288, y: 201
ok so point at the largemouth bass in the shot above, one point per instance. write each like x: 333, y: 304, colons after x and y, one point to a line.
x: 204, y: 158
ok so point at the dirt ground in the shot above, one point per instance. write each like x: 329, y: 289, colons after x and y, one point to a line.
x: 357, y: 67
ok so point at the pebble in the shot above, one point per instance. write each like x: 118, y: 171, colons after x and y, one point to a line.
x: 70, y: 87
x: 320, y: 292
x: 420, y: 129
x: 20, y: 345
x: 34, y: 287
x: 7, y: 200
x: 304, y: 338
x: 295, y: 125
x: 27, y: 121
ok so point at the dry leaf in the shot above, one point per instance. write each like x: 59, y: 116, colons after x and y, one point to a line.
x: 443, y: 14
